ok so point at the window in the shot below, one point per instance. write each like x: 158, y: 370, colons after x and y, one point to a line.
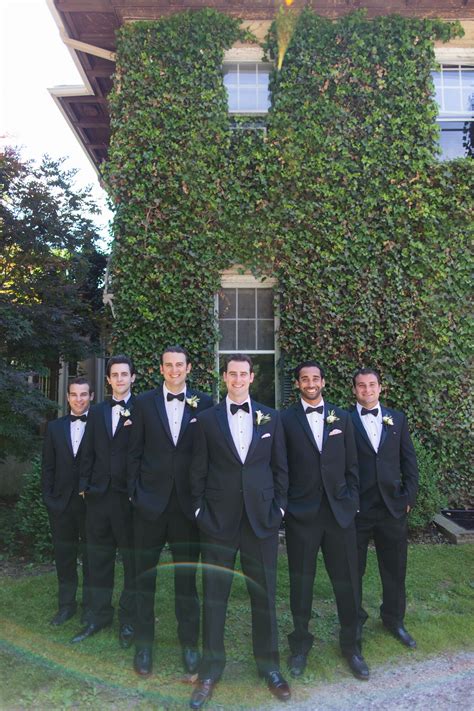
x: 247, y: 324
x: 247, y: 87
x: 454, y: 90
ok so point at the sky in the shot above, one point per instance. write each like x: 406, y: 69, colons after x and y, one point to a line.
x: 33, y: 58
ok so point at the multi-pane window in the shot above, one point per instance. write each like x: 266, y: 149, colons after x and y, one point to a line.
x: 454, y: 91
x: 247, y: 87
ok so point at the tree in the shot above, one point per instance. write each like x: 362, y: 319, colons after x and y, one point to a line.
x: 50, y: 271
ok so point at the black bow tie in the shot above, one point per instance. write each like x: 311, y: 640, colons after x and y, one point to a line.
x: 235, y: 408
x: 319, y: 409
x: 82, y: 418
x: 373, y: 412
x: 170, y: 396
x: 119, y: 403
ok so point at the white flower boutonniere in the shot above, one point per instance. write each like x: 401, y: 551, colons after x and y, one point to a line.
x: 332, y: 417
x: 261, y: 418
x: 192, y: 401
x: 124, y: 412
x: 387, y: 420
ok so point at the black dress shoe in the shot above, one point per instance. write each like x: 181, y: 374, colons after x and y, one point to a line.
x: 278, y: 686
x: 88, y: 631
x: 202, y: 693
x: 358, y: 666
x: 402, y: 635
x: 297, y: 664
x: 191, y: 659
x: 63, y: 615
x: 143, y: 661
x: 126, y: 636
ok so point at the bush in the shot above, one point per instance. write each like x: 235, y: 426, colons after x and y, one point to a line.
x: 430, y: 499
x: 32, y: 532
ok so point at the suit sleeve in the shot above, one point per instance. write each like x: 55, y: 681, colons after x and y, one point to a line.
x: 408, y: 464
x: 352, y: 463
x: 135, y: 447
x: 48, y: 464
x: 279, y: 465
x: 199, y: 466
x: 87, y: 453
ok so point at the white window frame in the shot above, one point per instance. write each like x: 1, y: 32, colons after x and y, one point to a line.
x: 462, y: 58
x: 246, y: 55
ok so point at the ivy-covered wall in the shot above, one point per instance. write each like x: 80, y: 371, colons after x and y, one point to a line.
x: 343, y: 201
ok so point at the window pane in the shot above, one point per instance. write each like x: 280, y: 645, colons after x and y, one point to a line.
x: 230, y: 74
x: 227, y: 300
x: 263, y: 386
x: 227, y: 340
x: 247, y: 86
x: 451, y: 77
x: 265, y: 303
x: 247, y: 73
x: 263, y: 100
x: 266, y: 335
x: 246, y: 303
x: 248, y: 99
x: 246, y: 335
x: 452, y: 100
x: 233, y: 99
x: 451, y: 139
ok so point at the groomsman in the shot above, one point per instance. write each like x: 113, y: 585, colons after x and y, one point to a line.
x: 239, y: 483
x: 103, y: 483
x: 388, y: 487
x: 159, y: 458
x: 62, y: 449
x: 323, y: 498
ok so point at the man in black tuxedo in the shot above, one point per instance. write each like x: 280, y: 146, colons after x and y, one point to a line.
x: 323, y: 498
x: 103, y: 483
x: 388, y: 487
x: 159, y: 458
x: 239, y: 482
x: 66, y: 509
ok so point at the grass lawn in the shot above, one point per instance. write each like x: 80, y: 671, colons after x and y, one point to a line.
x: 39, y: 669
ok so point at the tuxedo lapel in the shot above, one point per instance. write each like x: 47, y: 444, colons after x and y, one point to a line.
x: 107, y: 414
x: 383, y: 436
x: 67, y: 434
x: 303, y: 419
x: 325, y: 425
x: 255, y: 432
x: 186, y: 417
x: 221, y: 414
x: 161, y: 407
x: 358, y: 423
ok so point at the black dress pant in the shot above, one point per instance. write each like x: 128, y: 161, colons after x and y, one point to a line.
x: 109, y: 526
x: 390, y: 536
x: 338, y: 545
x: 172, y: 527
x: 258, y: 557
x: 69, y: 541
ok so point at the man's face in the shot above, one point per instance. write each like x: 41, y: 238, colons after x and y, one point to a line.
x: 310, y: 384
x: 367, y: 390
x: 238, y: 377
x: 120, y: 379
x: 174, y: 371
x: 79, y: 399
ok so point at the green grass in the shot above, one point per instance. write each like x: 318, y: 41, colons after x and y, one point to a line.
x: 41, y: 670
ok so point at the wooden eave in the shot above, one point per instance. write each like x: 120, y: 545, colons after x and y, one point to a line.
x: 95, y: 22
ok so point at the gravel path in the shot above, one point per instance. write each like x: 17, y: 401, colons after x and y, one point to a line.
x: 444, y: 683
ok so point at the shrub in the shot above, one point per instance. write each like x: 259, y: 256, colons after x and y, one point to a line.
x: 430, y: 499
x: 31, y: 521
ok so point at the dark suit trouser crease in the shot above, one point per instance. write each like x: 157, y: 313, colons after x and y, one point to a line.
x: 69, y: 541
x: 258, y: 559
x: 109, y: 526
x: 174, y: 528
x: 338, y: 545
x: 390, y: 536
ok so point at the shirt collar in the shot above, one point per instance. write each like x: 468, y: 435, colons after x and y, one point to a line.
x: 230, y: 402
x: 359, y: 407
x: 306, y: 404
x: 166, y: 391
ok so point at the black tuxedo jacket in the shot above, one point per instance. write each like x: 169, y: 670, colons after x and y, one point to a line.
x: 154, y: 462
x: 104, y: 457
x: 334, y: 471
x: 393, y: 469
x: 60, y: 468
x: 221, y: 485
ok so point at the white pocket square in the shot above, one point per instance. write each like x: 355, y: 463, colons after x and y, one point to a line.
x: 334, y: 432
x: 127, y: 423
x: 267, y: 434
x: 193, y: 420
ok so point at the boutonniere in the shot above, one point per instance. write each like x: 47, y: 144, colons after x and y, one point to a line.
x: 387, y: 420
x: 331, y: 417
x: 261, y: 418
x: 192, y: 401
x: 124, y: 412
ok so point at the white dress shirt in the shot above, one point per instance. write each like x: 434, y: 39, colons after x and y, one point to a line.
x: 77, y: 433
x: 174, y: 411
x: 316, y: 422
x: 116, y: 412
x: 372, y: 425
x: 241, y: 427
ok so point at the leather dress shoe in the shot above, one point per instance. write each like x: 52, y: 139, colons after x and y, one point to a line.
x: 297, y: 664
x: 143, y: 661
x: 402, y: 635
x: 126, y: 636
x: 278, y: 686
x: 191, y: 659
x: 358, y: 666
x: 89, y: 630
x: 63, y: 615
x: 202, y: 693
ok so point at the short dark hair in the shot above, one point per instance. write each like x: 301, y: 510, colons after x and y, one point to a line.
x: 79, y: 380
x: 365, y: 371
x: 308, y: 364
x: 240, y: 358
x: 116, y: 360
x: 175, y: 349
